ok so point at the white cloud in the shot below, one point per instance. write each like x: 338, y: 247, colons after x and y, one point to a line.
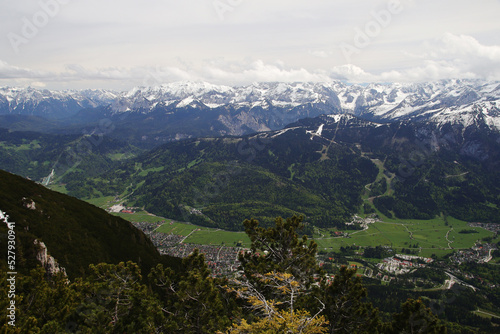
x: 217, y: 72
x: 351, y: 73
x: 447, y: 57
x: 320, y: 53
x: 8, y: 71
x: 38, y: 84
x: 259, y: 71
x: 468, y: 46
x: 122, y: 43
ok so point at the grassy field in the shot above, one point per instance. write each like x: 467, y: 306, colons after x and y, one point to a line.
x: 485, y: 314
x: 205, y: 236
x: 33, y: 145
x: 428, y: 235
x: 431, y: 236
x: 180, y: 228
x: 218, y: 237
x: 197, y: 234
x: 381, y: 169
x: 102, y: 202
x: 58, y: 187
x: 439, y: 236
x: 146, y: 171
x: 120, y: 156
x: 141, y: 216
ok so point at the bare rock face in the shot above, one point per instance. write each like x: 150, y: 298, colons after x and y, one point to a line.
x: 48, y: 262
x: 29, y: 203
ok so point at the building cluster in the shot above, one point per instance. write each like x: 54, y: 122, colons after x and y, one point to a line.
x: 495, y: 228
x: 363, y: 222
x: 146, y: 227
x: 120, y: 208
x: 480, y: 253
x: 384, y: 278
x: 160, y: 240
x: 414, y: 258
x: 402, y: 264
x: 165, y: 241
x: 221, y: 260
x: 339, y: 234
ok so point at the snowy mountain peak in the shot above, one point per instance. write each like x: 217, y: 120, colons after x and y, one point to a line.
x: 454, y: 101
x: 52, y: 104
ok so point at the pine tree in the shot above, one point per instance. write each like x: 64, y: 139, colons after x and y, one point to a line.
x: 114, y: 300
x: 277, y: 315
x: 43, y: 305
x: 280, y: 249
x: 345, y: 309
x: 192, y: 301
x: 415, y: 317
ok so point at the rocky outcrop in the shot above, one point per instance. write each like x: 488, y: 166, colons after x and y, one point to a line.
x: 48, y: 262
x: 29, y: 203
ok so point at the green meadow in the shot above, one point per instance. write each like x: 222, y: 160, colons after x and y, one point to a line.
x: 206, y: 236
x: 427, y: 236
x: 219, y: 237
x: 179, y: 228
x: 439, y: 236
x: 435, y: 236
x: 102, y: 202
x: 140, y: 216
x: 197, y: 234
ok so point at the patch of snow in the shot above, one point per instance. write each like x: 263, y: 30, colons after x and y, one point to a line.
x: 282, y: 132
x: 213, y: 105
x: 185, y: 102
x: 320, y: 130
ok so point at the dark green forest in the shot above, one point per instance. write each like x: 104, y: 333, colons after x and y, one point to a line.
x: 34, y: 155
x: 76, y: 233
x: 230, y: 179
x: 219, y: 182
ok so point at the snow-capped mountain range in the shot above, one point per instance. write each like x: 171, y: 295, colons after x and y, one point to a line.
x: 51, y: 104
x: 464, y: 102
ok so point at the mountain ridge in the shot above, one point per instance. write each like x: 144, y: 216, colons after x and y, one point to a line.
x: 316, y: 164
x: 459, y: 100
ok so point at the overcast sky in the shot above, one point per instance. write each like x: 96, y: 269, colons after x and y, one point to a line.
x: 118, y: 44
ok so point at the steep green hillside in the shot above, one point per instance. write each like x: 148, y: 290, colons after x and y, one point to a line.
x: 321, y: 168
x: 325, y: 168
x: 71, y: 157
x: 76, y: 233
x: 425, y: 169
x: 221, y: 181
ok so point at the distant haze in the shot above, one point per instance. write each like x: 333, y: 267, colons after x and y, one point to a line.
x: 61, y: 44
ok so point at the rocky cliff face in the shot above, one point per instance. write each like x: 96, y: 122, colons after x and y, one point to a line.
x: 48, y: 262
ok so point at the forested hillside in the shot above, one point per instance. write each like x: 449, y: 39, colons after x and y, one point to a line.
x: 35, y: 155
x: 320, y: 168
x: 75, y: 233
x: 221, y: 181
